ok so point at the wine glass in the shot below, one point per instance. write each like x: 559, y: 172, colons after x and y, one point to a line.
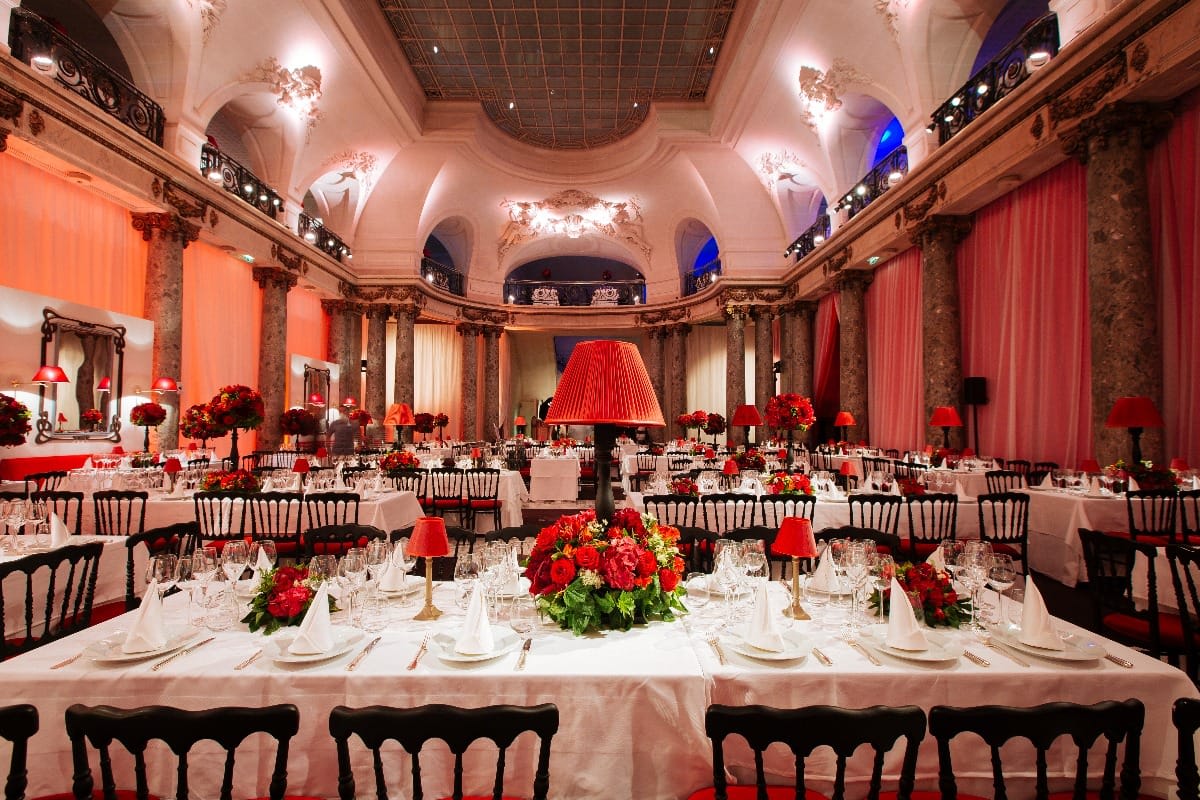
x: 466, y: 576
x: 377, y: 554
x: 522, y: 616
x: 322, y: 567
x: 185, y: 579
x: 1001, y: 577
x: 352, y: 570
x: 162, y: 568
x: 235, y: 556
x: 882, y: 569
x: 971, y: 572
x: 14, y: 519
x: 263, y: 550
x: 35, y: 512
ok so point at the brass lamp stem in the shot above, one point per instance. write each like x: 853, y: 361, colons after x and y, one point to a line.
x: 429, y: 611
x: 796, y: 611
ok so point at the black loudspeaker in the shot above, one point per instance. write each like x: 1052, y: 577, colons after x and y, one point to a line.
x: 975, y: 391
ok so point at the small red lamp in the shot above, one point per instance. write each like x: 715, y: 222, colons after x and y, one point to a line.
x: 1179, y: 464
x: 730, y: 467
x: 710, y: 452
x: 843, y: 420
x: 49, y: 373
x: 171, y: 468
x: 429, y: 541
x: 519, y: 422
x: 401, y: 416
x: 1089, y: 465
x: 105, y: 384
x: 746, y: 416
x: 300, y: 467
x: 316, y: 399
x: 165, y: 385
x: 349, y: 403
x: 945, y: 417
x: 1136, y: 414
x: 795, y: 539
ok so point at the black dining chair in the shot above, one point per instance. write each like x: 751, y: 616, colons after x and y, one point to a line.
x: 1189, y: 516
x: 679, y: 510
x: 458, y: 728
x: 1152, y: 515
x: 337, y: 539
x: 279, y: 517
x: 331, y: 508
x: 119, y: 513
x: 1186, y: 717
x: 932, y: 519
x: 483, y: 496
x: 18, y: 724
x: 887, y: 543
x: 221, y: 516
x: 879, y: 511
x: 1004, y: 480
x: 1004, y: 522
x: 179, y: 539
x: 774, y: 507
x: 728, y: 510
x: 1115, y: 613
x: 67, y: 505
x: 57, y: 590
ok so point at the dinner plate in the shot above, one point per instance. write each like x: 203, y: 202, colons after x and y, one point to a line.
x: 504, y: 640
x: 108, y: 650
x: 702, y: 586
x: 343, y: 641
x: 795, y: 647
x: 412, y: 585
x: 523, y: 585
x: 939, y: 649
x: 1074, y: 648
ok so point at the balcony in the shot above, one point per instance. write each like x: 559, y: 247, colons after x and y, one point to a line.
x: 55, y: 55
x: 448, y: 279
x: 574, y: 293
x: 313, y: 231
x: 808, y: 241
x: 702, y: 278
x: 997, y: 79
x: 237, y: 180
x: 886, y: 174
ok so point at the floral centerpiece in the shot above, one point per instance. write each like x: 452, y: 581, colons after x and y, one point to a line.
x: 696, y: 419
x: 910, y: 486
x: 940, y: 604
x: 236, y: 406
x: 586, y: 574
x: 397, y: 461
x: 440, y: 421
x: 147, y: 415
x: 90, y: 418
x: 14, y: 422
x: 298, y: 422
x: 714, y: 426
x: 564, y: 442
x: 790, y: 412
x: 1144, y: 472
x: 282, y: 598
x: 783, y: 483
x: 684, y: 486
x: 360, y: 417
x: 424, y: 423
x: 142, y: 460
x: 229, y: 480
x: 750, y: 459
x: 197, y: 422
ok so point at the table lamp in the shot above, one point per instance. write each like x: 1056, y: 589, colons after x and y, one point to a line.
x: 945, y: 417
x: 519, y: 422
x: 709, y: 453
x: 400, y: 415
x: 746, y: 416
x: 171, y: 468
x: 300, y: 467
x: 1179, y: 464
x: 795, y: 539
x: 1136, y: 414
x: 843, y: 420
x: 1089, y: 465
x: 605, y: 384
x: 429, y: 540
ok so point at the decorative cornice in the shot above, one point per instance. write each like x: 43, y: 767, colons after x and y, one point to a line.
x: 916, y: 210
x: 377, y: 310
x: 1116, y: 122
x: 286, y: 258
x: 800, y: 308
x: 485, y: 315
x: 187, y: 204
x: 332, y: 307
x: 835, y: 263
x: 941, y: 226
x: 404, y: 294
x: 274, y: 276
x: 11, y: 107
x: 36, y: 123
x: 666, y: 315
x: 491, y: 331
x: 1087, y: 95
x: 751, y: 295
x: 656, y: 332
x: 852, y: 280
x: 171, y: 226
x: 735, y: 312
x: 468, y: 330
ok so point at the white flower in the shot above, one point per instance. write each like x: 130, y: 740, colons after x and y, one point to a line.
x: 590, y: 578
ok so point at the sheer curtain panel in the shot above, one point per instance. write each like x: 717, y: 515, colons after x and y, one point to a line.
x: 895, y: 367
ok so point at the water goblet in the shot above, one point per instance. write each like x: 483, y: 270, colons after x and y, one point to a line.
x: 1001, y: 577
x: 185, y: 579
x: 163, y: 568
x: 466, y: 577
x: 322, y: 567
x: 268, y: 552
x: 235, y: 556
x: 881, y: 570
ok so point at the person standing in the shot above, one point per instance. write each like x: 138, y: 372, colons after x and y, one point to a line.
x: 341, y: 435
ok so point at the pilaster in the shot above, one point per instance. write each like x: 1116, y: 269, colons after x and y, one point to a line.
x: 275, y: 283
x: 852, y: 285
x: 470, y: 381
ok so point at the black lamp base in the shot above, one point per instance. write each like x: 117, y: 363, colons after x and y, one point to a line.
x: 1135, y: 435
x: 606, y: 437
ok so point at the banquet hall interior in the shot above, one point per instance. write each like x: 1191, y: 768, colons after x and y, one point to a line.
x: 918, y: 274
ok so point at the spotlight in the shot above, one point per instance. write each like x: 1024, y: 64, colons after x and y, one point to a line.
x: 818, y: 238
x: 895, y: 177
x: 1036, y: 60
x: 214, y: 175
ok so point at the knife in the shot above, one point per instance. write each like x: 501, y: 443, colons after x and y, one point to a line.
x: 1010, y: 656
x: 869, y: 655
x: 1120, y: 662
x: 182, y: 652
x: 974, y: 659
x: 358, y: 658
x: 420, y: 652
x: 824, y: 659
x: 716, y: 646
x: 524, y: 652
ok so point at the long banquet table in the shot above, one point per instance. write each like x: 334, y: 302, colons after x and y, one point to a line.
x: 632, y: 704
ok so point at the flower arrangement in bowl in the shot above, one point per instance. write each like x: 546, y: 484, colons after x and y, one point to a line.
x: 1144, y: 472
x: 588, y: 574
x: 148, y: 415
x: 783, y: 483
x: 940, y: 604
x: 714, y: 426
x: 684, y: 485
x: 298, y: 422
x: 90, y: 418
x: 282, y: 598
x: 14, y: 422
x: 229, y: 480
x: 197, y: 422
x: 564, y: 442
x: 237, y: 406
x: 750, y: 459
x: 790, y: 412
x: 397, y: 461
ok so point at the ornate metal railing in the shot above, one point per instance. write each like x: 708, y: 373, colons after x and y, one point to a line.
x: 236, y: 179
x: 998, y: 78
x: 807, y: 242
x: 883, y: 176
x: 49, y: 52
x: 702, y: 278
x: 313, y: 230
x: 574, y: 293
x: 448, y: 279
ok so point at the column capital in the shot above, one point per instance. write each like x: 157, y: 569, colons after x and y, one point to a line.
x: 941, y: 226
x: 275, y: 276
x: 171, y: 226
x: 681, y: 329
x: 469, y: 329
x: 406, y: 309
x: 491, y: 331
x: 855, y: 280
x: 377, y: 310
x: 657, y: 331
x: 736, y: 312
x: 800, y: 308
x: 335, y: 306
x: 1115, y: 123
x: 766, y: 313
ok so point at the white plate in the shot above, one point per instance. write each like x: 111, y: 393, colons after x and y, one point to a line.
x: 522, y: 583
x: 795, y: 647
x: 1074, y: 648
x: 701, y: 586
x: 343, y: 640
x: 939, y: 649
x: 504, y: 640
x: 412, y: 585
x: 108, y: 651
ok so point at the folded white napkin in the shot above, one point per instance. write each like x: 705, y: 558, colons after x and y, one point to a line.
x: 338, y: 482
x: 896, y: 488
x: 476, y: 637
x: 177, y: 489
x: 903, y: 631
x: 148, y: 632
x: 1133, y: 484
x: 316, y: 631
x: 268, y: 484
x: 762, y: 633
x: 1037, y: 630
x: 262, y: 563
x: 937, y: 560
x: 1047, y: 482
x: 393, y: 578
x: 1094, y: 490
x: 59, y: 535
x: 961, y: 492
x: 823, y: 578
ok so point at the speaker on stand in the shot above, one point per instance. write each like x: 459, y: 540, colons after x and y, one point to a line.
x: 975, y: 395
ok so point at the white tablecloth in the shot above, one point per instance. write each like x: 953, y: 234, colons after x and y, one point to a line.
x: 553, y: 479
x: 631, y: 704
x: 1054, y: 522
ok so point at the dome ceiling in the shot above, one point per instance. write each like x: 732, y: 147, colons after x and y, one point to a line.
x: 562, y: 74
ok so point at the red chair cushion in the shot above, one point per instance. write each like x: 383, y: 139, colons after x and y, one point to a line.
x: 751, y: 793
x: 448, y: 502
x: 928, y: 796
x: 107, y: 611
x: 1001, y: 547
x: 485, y: 504
x: 1170, y: 628
x: 1090, y: 795
x: 97, y: 794
x: 335, y: 548
x: 924, y: 549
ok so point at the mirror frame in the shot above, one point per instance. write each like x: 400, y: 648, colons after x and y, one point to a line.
x: 52, y: 324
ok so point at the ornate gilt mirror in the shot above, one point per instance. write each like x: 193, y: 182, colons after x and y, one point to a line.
x: 92, y: 355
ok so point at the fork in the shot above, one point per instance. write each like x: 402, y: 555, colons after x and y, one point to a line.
x: 715, y: 644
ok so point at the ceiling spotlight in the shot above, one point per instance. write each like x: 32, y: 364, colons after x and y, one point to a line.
x: 429, y: 277
x: 511, y: 299
x: 635, y: 103
x: 860, y: 190
x: 42, y: 61
x: 262, y: 197
x: 818, y: 238
x: 981, y: 89
x: 931, y: 127
x: 310, y: 235
x: 955, y: 101
x: 214, y: 175
x: 248, y: 188
x: 712, y: 51
x: 894, y: 177
x: 948, y: 118
x: 1036, y: 60
x: 350, y: 256
x: 277, y: 201
x: 873, y: 260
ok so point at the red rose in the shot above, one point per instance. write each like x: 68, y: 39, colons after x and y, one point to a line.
x: 587, y: 557
x: 647, y: 563
x: 562, y: 571
x: 289, y: 602
x: 618, y: 563
x: 668, y: 580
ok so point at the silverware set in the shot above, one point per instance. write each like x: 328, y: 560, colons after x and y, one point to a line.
x: 420, y: 652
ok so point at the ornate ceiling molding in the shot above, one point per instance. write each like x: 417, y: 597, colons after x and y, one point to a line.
x: 485, y: 315
x: 401, y: 294
x: 298, y: 88
x: 288, y: 259
x: 171, y: 226
x: 274, y: 276
x: 891, y: 10
x: 210, y: 15
x: 779, y: 166
x: 820, y: 92
x: 666, y: 315
x: 756, y: 294
x: 837, y: 262
x: 363, y: 165
x: 573, y: 213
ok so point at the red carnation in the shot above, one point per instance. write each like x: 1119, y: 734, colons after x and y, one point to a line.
x: 562, y: 571
x: 647, y: 563
x: 618, y: 564
x: 668, y: 580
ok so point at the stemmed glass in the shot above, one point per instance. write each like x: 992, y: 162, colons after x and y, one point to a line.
x: 352, y: 571
x: 35, y: 512
x: 260, y: 550
x: 881, y: 570
x: 185, y: 579
x: 235, y: 556
x: 729, y: 572
x: 14, y: 520
x: 322, y: 567
x: 856, y: 564
x: 466, y: 576
x: 163, y: 568
x: 972, y: 571
x: 378, y: 553
x: 1001, y: 577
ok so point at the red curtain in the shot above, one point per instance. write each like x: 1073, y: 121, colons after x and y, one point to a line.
x: 1023, y: 282
x: 1174, y: 182
x: 895, y: 365
x: 827, y: 378
x: 307, y: 325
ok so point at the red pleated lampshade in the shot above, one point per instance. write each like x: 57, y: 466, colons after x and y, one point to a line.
x: 399, y: 414
x: 429, y: 538
x: 605, y: 382
x: 795, y: 538
x: 50, y: 373
x: 730, y: 468
x: 172, y: 466
x: 1134, y: 412
x: 844, y: 419
x: 1089, y: 465
x: 300, y: 465
x: 945, y: 417
x: 746, y: 415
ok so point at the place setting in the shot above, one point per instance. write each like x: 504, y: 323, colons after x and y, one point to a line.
x: 149, y: 636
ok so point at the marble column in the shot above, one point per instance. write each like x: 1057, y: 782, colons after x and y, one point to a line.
x: 735, y: 364
x: 470, y: 381
x: 491, y: 382
x: 352, y: 385
x: 655, y: 339
x: 342, y: 349
x: 941, y: 330
x: 852, y: 285
x: 406, y: 318
x: 796, y: 344
x: 168, y: 235
x: 375, y: 401
x: 275, y: 283
x: 677, y: 368
x: 1126, y: 350
x: 764, y: 357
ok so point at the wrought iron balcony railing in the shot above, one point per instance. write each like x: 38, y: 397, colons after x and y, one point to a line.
x: 236, y: 179
x: 808, y: 241
x: 998, y: 78
x: 54, y: 54
x: 702, y: 278
x: 574, y: 293
x: 886, y: 174
x: 312, y: 230
x: 446, y: 278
